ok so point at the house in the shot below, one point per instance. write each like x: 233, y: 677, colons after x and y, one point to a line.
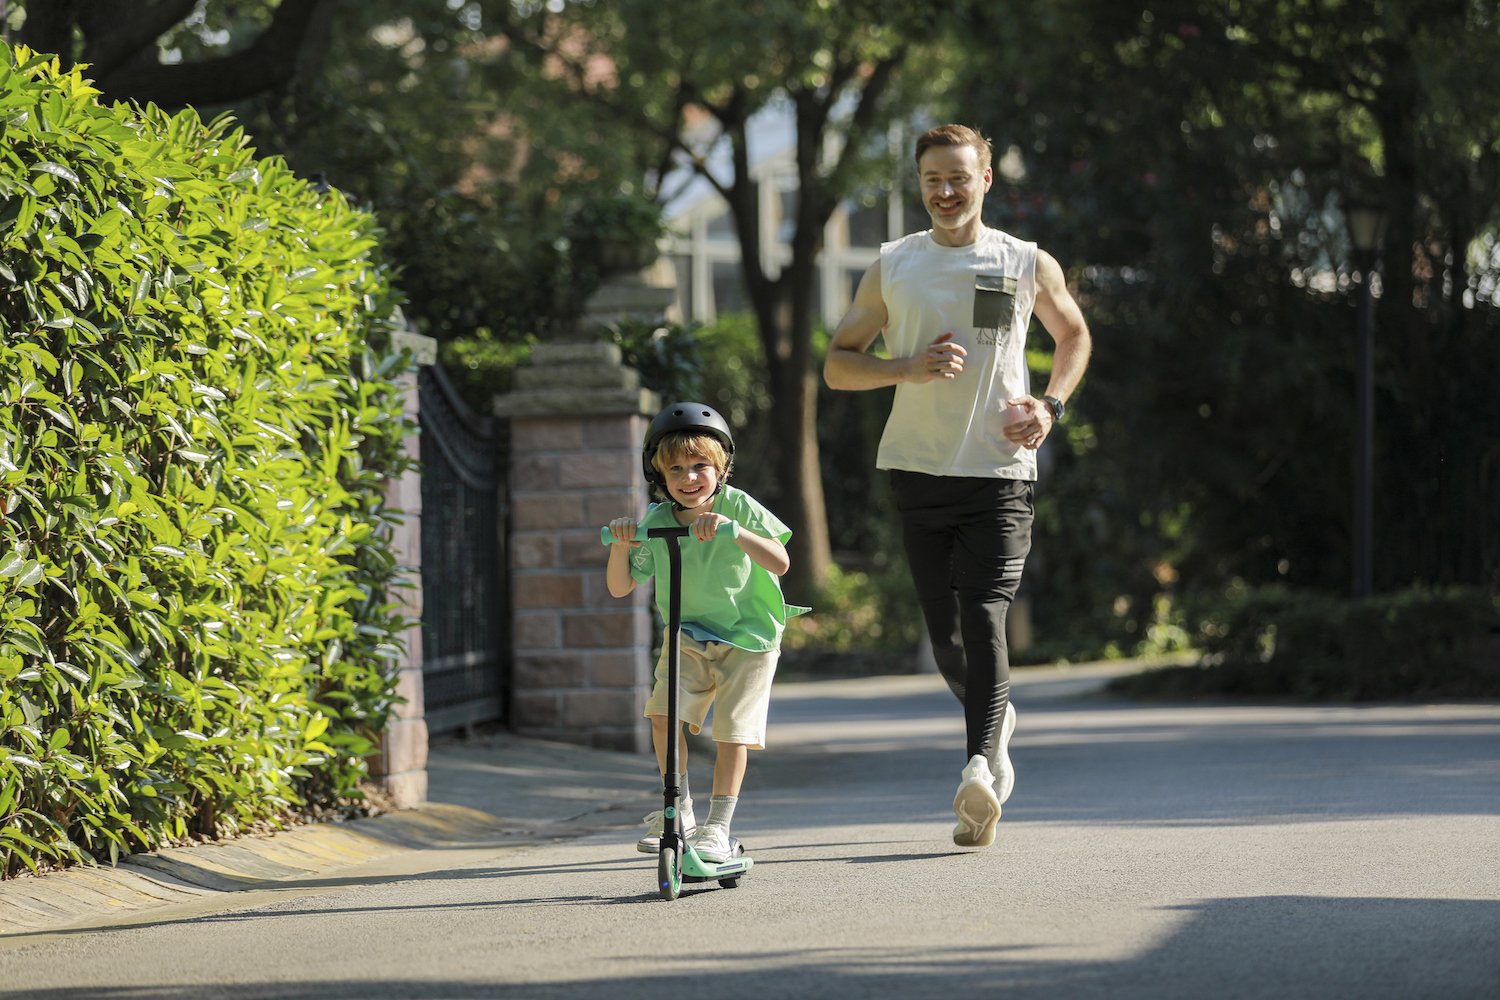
x: 704, y: 251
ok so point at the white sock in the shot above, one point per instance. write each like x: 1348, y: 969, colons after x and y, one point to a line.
x: 721, y: 811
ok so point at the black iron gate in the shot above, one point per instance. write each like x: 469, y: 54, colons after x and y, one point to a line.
x: 465, y: 606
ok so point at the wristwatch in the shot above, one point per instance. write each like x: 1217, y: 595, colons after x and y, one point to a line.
x: 1057, y: 407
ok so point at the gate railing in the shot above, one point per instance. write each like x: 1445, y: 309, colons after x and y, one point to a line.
x: 466, y: 607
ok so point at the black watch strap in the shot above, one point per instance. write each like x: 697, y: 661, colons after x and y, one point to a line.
x: 1057, y: 406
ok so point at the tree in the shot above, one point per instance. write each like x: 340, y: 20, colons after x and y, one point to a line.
x: 120, y: 40
x: 1190, y: 164
x: 661, y: 69
x: 477, y: 183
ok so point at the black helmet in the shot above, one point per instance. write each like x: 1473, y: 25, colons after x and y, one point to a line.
x: 684, y: 417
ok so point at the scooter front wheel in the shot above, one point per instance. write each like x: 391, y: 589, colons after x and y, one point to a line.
x: 668, y: 873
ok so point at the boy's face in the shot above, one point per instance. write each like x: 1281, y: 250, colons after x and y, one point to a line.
x: 692, y: 480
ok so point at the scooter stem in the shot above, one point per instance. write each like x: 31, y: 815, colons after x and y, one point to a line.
x: 671, y: 833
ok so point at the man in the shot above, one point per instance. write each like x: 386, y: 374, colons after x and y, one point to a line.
x: 954, y: 304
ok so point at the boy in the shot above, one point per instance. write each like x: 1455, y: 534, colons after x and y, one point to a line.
x: 733, y: 613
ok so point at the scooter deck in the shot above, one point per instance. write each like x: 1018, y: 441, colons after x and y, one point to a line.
x: 696, y: 868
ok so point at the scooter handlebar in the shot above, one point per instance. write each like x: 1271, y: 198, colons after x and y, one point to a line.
x: 607, y: 537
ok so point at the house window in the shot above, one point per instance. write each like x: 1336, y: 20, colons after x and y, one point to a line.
x: 729, y: 288
x: 915, y: 216
x: 867, y: 224
x: 721, y: 226
x: 855, y: 276
x: 682, y: 267
x: 788, y: 227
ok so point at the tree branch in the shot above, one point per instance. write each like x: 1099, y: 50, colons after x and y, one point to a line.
x: 271, y: 61
x: 670, y: 137
x: 114, y: 31
x: 49, y: 28
x: 864, y: 115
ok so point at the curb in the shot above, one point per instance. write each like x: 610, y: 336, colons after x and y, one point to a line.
x: 181, y: 874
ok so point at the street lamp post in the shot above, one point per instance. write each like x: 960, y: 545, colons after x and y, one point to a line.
x: 1366, y: 235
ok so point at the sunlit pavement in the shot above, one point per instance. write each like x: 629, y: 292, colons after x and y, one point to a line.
x: 1148, y: 851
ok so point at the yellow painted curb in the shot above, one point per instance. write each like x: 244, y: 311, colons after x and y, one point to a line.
x: 175, y: 874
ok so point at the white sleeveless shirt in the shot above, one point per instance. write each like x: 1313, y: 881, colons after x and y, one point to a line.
x: 983, y: 294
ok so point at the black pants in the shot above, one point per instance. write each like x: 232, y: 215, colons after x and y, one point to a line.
x: 966, y: 542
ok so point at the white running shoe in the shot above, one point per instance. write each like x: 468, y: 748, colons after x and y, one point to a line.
x: 651, y: 842
x: 976, y: 806
x: 713, y: 844
x: 1000, y: 765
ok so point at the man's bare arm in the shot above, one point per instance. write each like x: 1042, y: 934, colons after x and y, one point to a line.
x: 1061, y: 318
x: 850, y: 366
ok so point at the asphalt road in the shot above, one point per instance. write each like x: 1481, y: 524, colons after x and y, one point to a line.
x: 1148, y: 852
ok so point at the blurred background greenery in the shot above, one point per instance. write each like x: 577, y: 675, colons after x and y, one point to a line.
x: 1189, y: 162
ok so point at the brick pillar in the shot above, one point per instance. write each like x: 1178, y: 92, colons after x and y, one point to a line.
x: 401, y: 765
x: 581, y: 671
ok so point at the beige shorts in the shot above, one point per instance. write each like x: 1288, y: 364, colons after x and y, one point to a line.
x: 735, y: 681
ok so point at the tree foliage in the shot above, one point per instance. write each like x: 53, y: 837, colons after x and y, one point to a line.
x: 484, y: 190
x: 233, y: 50
x: 408, y: 107
x: 688, y: 78
x: 1190, y: 164
x: 195, y: 621
x: 1275, y: 642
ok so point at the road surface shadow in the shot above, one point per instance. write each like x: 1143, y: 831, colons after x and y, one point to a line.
x: 1101, y: 771
x: 1281, y: 947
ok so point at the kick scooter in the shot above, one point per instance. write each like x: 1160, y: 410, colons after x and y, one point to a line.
x: 676, y: 861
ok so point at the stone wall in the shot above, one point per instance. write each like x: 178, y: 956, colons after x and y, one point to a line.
x: 401, y: 765
x: 581, y: 670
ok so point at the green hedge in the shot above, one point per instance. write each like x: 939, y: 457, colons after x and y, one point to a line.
x: 196, y: 631
x: 1284, y: 643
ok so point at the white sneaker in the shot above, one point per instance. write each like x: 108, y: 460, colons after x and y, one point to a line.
x: 976, y: 805
x: 651, y: 842
x: 713, y: 844
x: 1000, y: 766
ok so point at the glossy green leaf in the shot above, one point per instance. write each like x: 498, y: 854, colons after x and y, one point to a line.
x: 56, y: 170
x: 156, y: 465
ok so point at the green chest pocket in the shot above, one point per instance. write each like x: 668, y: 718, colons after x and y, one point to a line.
x: 994, y: 303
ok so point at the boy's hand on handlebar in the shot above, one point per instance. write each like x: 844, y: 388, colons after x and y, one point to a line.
x: 705, y: 526
x: 623, y: 528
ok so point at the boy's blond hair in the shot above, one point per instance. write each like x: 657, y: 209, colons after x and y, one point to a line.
x: 676, y: 444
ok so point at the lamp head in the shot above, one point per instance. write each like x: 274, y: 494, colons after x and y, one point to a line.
x: 1366, y: 228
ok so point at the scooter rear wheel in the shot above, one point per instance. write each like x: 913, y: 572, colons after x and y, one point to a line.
x: 730, y: 883
x: 668, y: 875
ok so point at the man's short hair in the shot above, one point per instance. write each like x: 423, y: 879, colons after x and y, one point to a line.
x: 955, y: 135
x: 672, y: 447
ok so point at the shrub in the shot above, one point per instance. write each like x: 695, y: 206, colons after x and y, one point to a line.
x: 856, y: 610
x: 1278, y: 642
x: 195, y: 628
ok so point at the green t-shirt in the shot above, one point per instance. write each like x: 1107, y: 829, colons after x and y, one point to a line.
x: 725, y: 595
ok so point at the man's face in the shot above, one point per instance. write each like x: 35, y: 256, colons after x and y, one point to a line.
x: 953, y: 186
